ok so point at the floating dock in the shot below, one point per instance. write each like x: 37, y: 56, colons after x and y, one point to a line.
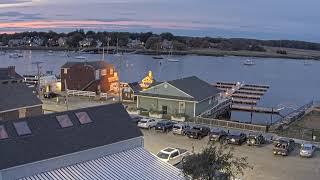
x: 260, y: 93
x: 255, y: 109
x: 246, y: 96
x: 244, y: 101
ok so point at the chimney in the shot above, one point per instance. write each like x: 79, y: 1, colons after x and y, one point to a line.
x: 11, y: 71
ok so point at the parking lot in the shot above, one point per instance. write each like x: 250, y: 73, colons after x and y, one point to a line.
x: 266, y: 166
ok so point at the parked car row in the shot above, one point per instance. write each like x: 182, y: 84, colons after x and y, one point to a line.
x: 281, y: 146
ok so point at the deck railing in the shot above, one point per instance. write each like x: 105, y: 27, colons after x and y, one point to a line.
x: 81, y: 93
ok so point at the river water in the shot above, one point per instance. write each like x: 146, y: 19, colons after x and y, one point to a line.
x: 292, y: 82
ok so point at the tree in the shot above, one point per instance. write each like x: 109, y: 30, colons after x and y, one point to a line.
x: 214, y: 163
x: 168, y: 36
x: 153, y: 43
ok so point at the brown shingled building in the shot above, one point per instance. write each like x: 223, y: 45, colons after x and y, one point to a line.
x: 96, y: 76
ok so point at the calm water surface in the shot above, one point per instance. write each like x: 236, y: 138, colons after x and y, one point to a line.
x: 292, y: 83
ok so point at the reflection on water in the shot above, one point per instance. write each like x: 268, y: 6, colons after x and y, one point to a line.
x: 291, y: 82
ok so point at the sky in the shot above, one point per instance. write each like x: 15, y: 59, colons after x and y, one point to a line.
x: 261, y: 19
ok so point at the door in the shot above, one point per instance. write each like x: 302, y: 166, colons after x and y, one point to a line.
x: 164, y: 109
x: 182, y: 107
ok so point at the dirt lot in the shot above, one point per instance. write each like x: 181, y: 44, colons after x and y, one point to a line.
x: 266, y: 166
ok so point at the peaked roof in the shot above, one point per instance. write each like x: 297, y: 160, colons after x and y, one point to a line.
x: 110, y: 124
x: 17, y: 95
x: 94, y: 64
x: 195, y: 87
x: 135, y: 86
x: 4, y: 75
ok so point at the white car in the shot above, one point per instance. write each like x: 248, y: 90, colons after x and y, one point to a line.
x: 180, y: 129
x: 147, y: 123
x: 307, y: 150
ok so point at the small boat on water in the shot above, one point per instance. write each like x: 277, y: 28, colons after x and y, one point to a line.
x: 2, y: 53
x: 50, y: 52
x: 307, y: 63
x: 157, y: 57
x: 15, y: 55
x: 248, y: 62
x: 173, y: 60
x: 80, y: 57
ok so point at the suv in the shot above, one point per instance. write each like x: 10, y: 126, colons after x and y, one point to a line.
x: 147, y: 123
x: 180, y: 129
x: 217, y: 135
x: 236, y: 138
x: 164, y: 126
x: 198, y: 132
x: 255, y: 139
x: 283, y: 147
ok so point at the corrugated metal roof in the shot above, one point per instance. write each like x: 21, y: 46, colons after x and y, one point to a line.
x: 133, y: 164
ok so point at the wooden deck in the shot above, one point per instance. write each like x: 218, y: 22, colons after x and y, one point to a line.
x: 240, y: 107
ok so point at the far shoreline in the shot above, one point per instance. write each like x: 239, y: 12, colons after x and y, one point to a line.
x: 302, y: 55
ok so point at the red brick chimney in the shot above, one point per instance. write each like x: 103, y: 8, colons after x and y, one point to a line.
x: 12, y: 71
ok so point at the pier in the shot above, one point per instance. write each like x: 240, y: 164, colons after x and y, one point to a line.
x: 245, y: 97
x: 239, y: 107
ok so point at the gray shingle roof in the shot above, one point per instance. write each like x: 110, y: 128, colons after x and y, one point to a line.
x: 195, y: 87
x: 111, y: 124
x: 95, y: 64
x: 4, y: 75
x: 16, y: 95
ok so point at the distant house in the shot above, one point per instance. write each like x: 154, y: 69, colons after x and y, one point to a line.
x: 97, y: 76
x: 86, y: 42
x: 134, y: 43
x: 190, y: 96
x: 92, y: 143
x: 9, y: 75
x: 166, y: 44
x: 18, y: 101
x: 15, y: 42
x: 62, y: 41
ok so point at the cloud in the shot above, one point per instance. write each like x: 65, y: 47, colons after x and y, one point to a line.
x: 17, y: 16
x: 13, y: 3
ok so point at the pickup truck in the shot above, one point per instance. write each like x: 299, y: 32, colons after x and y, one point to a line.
x: 283, y: 147
x: 172, y: 155
x: 198, y: 132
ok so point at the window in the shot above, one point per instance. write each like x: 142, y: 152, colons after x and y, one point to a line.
x: 65, y: 70
x: 22, y: 128
x: 83, y: 117
x: 97, y: 74
x: 22, y: 113
x: 111, y: 71
x: 64, y: 121
x: 173, y: 155
x: 3, y: 133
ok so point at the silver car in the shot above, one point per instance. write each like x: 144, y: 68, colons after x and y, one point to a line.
x: 307, y: 150
x: 180, y: 129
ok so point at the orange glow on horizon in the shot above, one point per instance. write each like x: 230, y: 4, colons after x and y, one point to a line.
x: 97, y: 24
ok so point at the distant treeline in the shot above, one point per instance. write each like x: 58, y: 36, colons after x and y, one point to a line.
x: 154, y: 41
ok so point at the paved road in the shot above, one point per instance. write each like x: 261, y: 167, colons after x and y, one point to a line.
x: 266, y: 165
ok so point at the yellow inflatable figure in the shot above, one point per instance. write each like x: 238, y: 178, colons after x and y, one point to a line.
x: 147, y: 81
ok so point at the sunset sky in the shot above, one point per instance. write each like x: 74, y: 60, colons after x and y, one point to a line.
x: 271, y: 19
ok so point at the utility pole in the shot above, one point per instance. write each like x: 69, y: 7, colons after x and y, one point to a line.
x: 67, y: 98
x: 37, y: 63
